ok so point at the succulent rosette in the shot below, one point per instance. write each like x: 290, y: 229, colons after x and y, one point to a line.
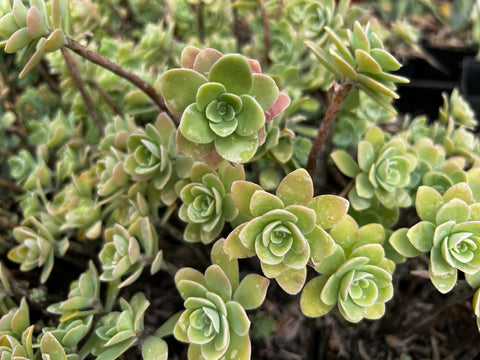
x: 224, y: 102
x: 287, y: 229
x: 127, y: 251
x: 214, y: 321
x: 152, y: 157
x: 207, y: 202
x: 119, y: 330
x: 449, y: 229
x: 383, y: 171
x: 357, y: 277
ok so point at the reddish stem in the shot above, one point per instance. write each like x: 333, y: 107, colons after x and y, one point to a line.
x: 327, y: 124
x: 98, y: 59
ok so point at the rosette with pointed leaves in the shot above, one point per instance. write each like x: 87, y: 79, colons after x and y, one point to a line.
x: 83, y: 297
x: 16, y: 321
x: 29, y: 172
x: 152, y: 157
x: 128, y: 251
x: 38, y: 28
x: 112, y: 174
x: 364, y: 61
x: 449, y: 229
x: 383, y: 170
x: 310, y: 17
x: 207, y: 203
x: 224, y: 101
x: 214, y: 321
x: 69, y: 333
x: 287, y: 230
x: 357, y: 277
x: 13, y: 348
x: 120, y: 330
x: 456, y: 109
x: 39, y: 241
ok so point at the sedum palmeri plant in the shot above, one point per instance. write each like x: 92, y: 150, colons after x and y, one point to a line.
x: 160, y: 162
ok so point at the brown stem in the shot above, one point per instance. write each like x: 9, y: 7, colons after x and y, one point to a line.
x: 48, y: 78
x: 97, y: 119
x: 11, y: 186
x: 106, y: 96
x: 326, y: 125
x: 266, y: 34
x: 98, y: 59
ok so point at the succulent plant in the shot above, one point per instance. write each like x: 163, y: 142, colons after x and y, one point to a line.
x: 29, y: 172
x: 310, y: 17
x: 357, y: 277
x: 221, y: 109
x: 16, y: 321
x: 83, y: 298
x: 363, y: 61
x: 69, y: 333
x: 449, y: 229
x: 39, y: 28
x: 152, y: 157
x: 287, y: 230
x: 455, y: 108
x: 207, y: 203
x: 12, y: 348
x: 383, y: 170
x: 128, y: 251
x: 119, y: 330
x: 39, y: 240
x: 214, y: 321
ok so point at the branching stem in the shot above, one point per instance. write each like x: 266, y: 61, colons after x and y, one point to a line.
x: 8, y: 185
x: 98, y: 59
x: 72, y: 68
x: 327, y: 124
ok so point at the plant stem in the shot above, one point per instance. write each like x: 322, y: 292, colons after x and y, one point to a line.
x: 266, y: 33
x: 327, y: 124
x: 106, y: 96
x: 11, y: 186
x: 72, y: 68
x: 98, y: 59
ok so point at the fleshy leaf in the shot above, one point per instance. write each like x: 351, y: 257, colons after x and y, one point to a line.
x: 330, y: 209
x: 296, y: 188
x: 251, y: 291
x: 236, y: 148
x: 234, y: 72
x: 179, y: 87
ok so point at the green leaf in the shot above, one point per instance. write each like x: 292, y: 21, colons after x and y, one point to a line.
x: 360, y: 39
x: 330, y: 209
x: 401, y: 244
x: 228, y: 264
x: 17, y: 41
x: 296, y: 188
x: 234, y: 247
x: 242, y: 192
x: 154, y: 348
x: 55, y: 41
x: 51, y: 347
x: 262, y: 202
x: 343, y: 66
x: 292, y: 280
x: 427, y: 203
x: 386, y: 60
x: 264, y: 91
x: 233, y: 71
x: 376, y: 87
x: 194, y: 126
x: 421, y: 235
x: 443, y: 283
x: 251, y: 291
x: 8, y: 25
x: 251, y: 118
x: 456, y: 210
x: 20, y: 13
x: 366, y: 63
x: 345, y: 163
x: 35, y: 25
x: 207, y: 93
x: 191, y: 149
x: 236, y: 148
x: 218, y: 282
x: 179, y: 87
x: 344, y: 51
x: 311, y: 303
x: 237, y: 318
